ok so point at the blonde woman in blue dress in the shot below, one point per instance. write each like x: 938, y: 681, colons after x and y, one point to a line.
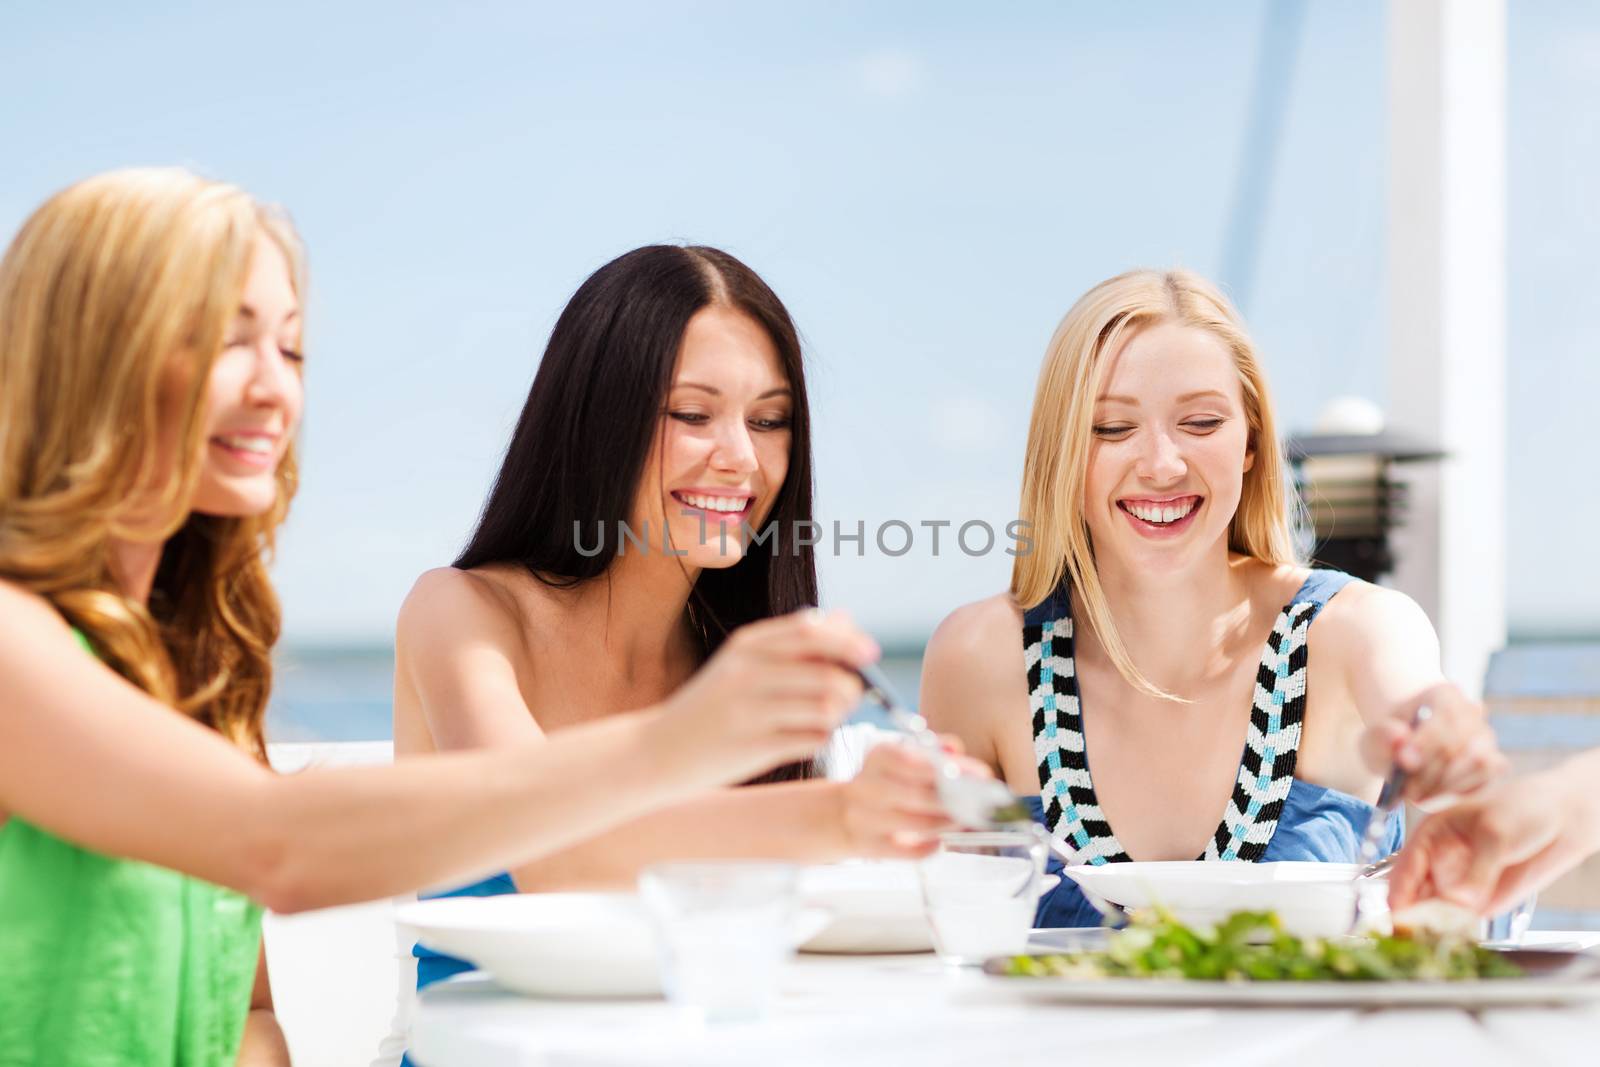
x: 1163, y: 629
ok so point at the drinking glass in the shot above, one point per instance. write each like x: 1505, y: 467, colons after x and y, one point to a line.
x: 1510, y: 927
x: 980, y: 890
x: 723, y: 933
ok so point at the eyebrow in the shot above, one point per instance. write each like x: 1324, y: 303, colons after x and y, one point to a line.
x: 1184, y: 399
x: 783, y: 390
x: 248, y: 312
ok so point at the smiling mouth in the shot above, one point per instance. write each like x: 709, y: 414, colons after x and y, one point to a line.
x: 1162, y: 513
x: 249, y: 451
x: 254, y: 444
x: 729, y: 506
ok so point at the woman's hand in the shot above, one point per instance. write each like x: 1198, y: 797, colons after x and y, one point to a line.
x: 772, y: 693
x: 1449, y: 755
x: 892, y: 808
x: 1497, y: 848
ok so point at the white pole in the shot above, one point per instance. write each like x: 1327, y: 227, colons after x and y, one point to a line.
x: 1447, y: 318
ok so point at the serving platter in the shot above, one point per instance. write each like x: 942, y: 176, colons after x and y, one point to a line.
x: 1553, y: 978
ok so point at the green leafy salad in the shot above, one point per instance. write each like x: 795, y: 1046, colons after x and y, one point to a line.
x: 1252, y: 946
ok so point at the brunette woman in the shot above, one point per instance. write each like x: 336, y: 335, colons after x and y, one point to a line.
x: 150, y: 389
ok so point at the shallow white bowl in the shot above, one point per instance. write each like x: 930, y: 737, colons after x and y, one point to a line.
x: 546, y: 944
x: 876, y: 906
x: 1312, y: 899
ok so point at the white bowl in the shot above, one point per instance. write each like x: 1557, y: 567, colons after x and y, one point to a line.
x: 1312, y: 899
x: 876, y: 906
x: 546, y: 944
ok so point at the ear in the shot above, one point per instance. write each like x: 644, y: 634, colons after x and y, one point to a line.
x: 1249, y: 458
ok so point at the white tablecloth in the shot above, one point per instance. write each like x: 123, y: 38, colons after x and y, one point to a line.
x: 885, y: 1010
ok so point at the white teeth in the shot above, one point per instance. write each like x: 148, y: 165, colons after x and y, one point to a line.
x: 715, y: 503
x: 1161, y: 513
x: 261, y: 446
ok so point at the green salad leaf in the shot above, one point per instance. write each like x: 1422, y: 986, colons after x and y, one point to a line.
x: 1253, y: 946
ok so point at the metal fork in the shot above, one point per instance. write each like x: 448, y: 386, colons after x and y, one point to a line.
x: 982, y: 803
x: 978, y: 802
x: 1389, y: 798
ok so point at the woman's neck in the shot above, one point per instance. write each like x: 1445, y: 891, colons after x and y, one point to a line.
x: 1180, y: 627
x: 638, y: 611
x: 134, y: 565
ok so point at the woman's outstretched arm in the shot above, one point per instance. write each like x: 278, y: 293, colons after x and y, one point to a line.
x: 92, y: 759
x: 454, y: 673
x: 1499, y: 847
x: 890, y: 809
x: 1387, y: 654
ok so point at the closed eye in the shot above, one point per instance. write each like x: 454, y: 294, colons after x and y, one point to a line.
x: 293, y: 355
x: 1203, y: 426
x: 1112, y: 433
x: 693, y: 418
x: 768, y: 425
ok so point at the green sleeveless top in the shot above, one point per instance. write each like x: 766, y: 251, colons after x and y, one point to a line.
x: 110, y: 962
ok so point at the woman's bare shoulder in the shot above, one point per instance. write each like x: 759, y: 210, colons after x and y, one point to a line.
x: 972, y: 670
x: 447, y: 602
x: 973, y: 676
x: 1364, y: 617
x: 1271, y: 585
x: 974, y: 631
x: 25, y: 603
x: 28, y: 621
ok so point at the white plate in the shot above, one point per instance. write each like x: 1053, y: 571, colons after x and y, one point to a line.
x: 546, y: 944
x: 1312, y: 899
x: 1554, y: 978
x: 875, y: 907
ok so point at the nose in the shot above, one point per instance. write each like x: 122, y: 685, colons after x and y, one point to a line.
x: 274, y: 382
x: 1161, y: 462
x: 735, y: 451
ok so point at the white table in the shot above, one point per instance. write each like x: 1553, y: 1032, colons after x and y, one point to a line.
x: 879, y: 1011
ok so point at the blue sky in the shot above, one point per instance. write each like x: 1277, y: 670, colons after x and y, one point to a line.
x: 928, y: 186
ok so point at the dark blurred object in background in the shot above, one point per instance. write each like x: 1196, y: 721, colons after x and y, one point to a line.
x: 1342, y: 473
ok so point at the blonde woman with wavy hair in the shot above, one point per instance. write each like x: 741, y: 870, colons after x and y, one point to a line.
x: 150, y: 389
x: 1162, y: 618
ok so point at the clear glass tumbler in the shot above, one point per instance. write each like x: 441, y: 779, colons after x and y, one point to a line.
x: 723, y: 932
x: 1511, y: 927
x: 980, y: 891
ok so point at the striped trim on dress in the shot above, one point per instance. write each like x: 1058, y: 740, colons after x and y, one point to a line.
x: 1266, y: 770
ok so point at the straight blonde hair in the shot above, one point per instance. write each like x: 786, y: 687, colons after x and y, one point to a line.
x: 1061, y: 434
x: 115, y: 295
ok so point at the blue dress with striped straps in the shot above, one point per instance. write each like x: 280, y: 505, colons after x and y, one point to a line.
x: 1272, y: 815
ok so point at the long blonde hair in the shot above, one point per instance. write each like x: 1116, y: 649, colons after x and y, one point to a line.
x: 1060, y: 436
x: 113, y: 288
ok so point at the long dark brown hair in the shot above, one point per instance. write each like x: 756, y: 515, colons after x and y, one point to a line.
x: 580, y: 446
